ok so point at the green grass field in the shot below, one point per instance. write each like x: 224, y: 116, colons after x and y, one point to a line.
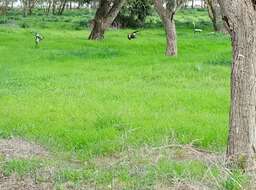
x: 87, y: 99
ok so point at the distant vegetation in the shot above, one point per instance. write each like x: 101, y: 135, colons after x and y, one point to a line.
x: 81, y: 20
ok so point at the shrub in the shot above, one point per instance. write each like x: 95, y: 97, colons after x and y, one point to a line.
x: 24, y: 25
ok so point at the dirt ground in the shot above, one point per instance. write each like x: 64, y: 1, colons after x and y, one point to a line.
x: 16, y: 148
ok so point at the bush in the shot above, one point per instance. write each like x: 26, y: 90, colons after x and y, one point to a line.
x: 153, y: 21
x: 3, y: 21
x: 24, y: 25
x: 134, y: 15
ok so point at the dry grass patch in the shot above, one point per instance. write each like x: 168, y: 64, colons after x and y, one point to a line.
x: 16, y: 148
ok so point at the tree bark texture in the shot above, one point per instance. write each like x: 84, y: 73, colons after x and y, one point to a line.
x: 3, y: 7
x: 240, y: 18
x: 215, y: 15
x: 167, y: 13
x: 105, y: 15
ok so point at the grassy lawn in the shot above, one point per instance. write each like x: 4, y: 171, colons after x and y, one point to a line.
x: 89, y: 99
x: 75, y: 95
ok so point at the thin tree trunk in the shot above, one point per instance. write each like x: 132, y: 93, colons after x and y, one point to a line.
x: 25, y: 7
x: 167, y: 17
x: 49, y: 7
x: 54, y: 6
x: 240, y: 17
x: 6, y: 6
x: 105, y: 15
x: 29, y: 7
x: 170, y: 30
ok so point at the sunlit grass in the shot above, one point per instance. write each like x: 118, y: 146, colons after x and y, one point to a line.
x: 89, y: 98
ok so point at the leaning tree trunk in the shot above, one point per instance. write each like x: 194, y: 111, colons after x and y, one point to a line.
x: 214, y: 11
x: 62, y: 7
x: 105, y: 15
x: 167, y: 17
x: 240, y: 17
x: 99, y: 27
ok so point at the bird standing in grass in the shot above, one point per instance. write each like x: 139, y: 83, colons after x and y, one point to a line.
x: 38, y: 39
x: 132, y: 35
x: 196, y: 30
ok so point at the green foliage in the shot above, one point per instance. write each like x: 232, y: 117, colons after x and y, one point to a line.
x: 135, y: 13
x: 72, y: 20
x: 129, y: 17
x: 3, y: 21
x: 24, y: 25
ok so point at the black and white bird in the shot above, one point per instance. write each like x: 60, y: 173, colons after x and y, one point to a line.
x: 38, y: 39
x: 132, y: 35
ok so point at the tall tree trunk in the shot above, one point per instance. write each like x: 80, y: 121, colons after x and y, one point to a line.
x: 105, y: 15
x: 240, y: 17
x: 167, y: 17
x: 49, y: 7
x: 79, y: 5
x: 214, y: 11
x: 54, y: 4
x: 62, y: 7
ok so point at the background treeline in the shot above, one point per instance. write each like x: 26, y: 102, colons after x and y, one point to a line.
x: 135, y: 13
